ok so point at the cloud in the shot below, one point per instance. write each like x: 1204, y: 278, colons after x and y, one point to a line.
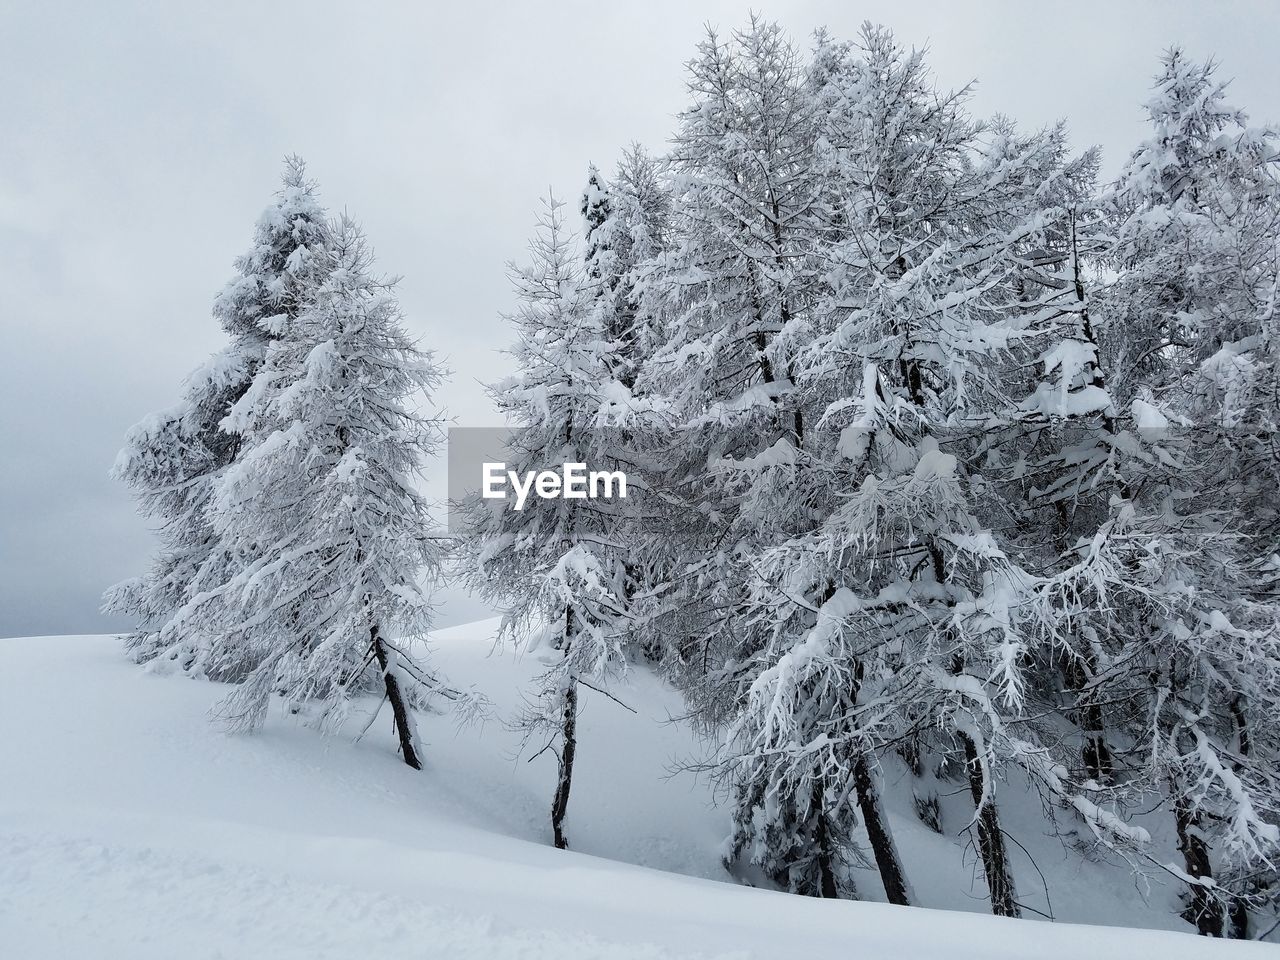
x: 141, y: 141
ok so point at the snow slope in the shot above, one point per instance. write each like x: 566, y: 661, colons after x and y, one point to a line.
x: 131, y: 827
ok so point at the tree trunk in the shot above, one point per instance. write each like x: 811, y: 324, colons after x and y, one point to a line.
x: 822, y: 840
x: 1242, y: 727
x: 1096, y: 754
x: 1203, y: 908
x: 568, y: 743
x: 1238, y: 914
x: 399, y: 709
x: 564, y: 776
x: 995, y: 861
x: 1238, y: 908
x: 878, y: 832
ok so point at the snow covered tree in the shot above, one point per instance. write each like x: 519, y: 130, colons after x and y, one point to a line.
x: 642, y: 205
x: 894, y: 597
x: 174, y: 459
x: 1200, y: 252
x: 626, y: 222
x: 1169, y: 587
x: 945, y: 437
x: 1148, y: 586
x: 901, y: 618
x: 623, y: 223
x: 558, y: 566
x: 733, y: 291
x: 322, y: 501
x: 1195, y: 210
x: 736, y: 274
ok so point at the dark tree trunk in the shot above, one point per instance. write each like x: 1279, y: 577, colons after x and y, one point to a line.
x: 399, y: 709
x: 1242, y: 726
x: 1238, y: 909
x: 568, y: 745
x: 564, y: 776
x: 1095, y: 753
x: 878, y: 832
x: 1238, y: 914
x: 995, y: 860
x: 822, y: 840
x: 1203, y: 908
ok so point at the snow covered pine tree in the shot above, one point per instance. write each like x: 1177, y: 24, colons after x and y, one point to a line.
x: 554, y: 566
x: 295, y: 544
x: 895, y: 617
x: 322, y: 498
x: 174, y: 459
x: 733, y: 291
x: 1171, y: 587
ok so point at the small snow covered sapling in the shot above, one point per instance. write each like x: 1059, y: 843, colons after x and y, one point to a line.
x: 559, y: 566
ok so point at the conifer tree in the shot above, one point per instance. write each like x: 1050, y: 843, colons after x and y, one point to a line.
x: 1168, y: 587
x: 557, y: 566
x: 732, y: 291
x: 949, y: 458
x: 175, y: 458
x: 323, y: 498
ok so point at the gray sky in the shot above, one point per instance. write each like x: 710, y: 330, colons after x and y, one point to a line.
x: 139, y: 142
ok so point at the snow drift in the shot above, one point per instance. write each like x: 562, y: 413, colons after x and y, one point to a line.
x: 132, y: 827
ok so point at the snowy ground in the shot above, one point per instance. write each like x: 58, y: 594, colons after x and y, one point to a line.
x: 130, y: 827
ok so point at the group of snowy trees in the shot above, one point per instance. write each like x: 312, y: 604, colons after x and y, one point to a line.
x: 943, y: 456
x: 296, y: 546
x: 949, y: 457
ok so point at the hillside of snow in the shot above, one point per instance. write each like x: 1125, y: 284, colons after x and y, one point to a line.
x: 132, y: 827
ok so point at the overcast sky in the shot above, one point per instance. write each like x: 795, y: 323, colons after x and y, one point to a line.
x: 139, y: 142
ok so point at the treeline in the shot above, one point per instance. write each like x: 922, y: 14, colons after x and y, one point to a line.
x: 947, y: 456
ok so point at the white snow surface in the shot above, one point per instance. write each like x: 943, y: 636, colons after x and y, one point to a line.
x: 131, y: 827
